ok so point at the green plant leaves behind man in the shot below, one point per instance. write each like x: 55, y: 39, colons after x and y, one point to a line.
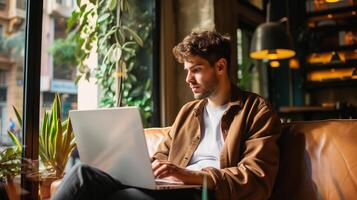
x: 56, y: 140
x: 10, y: 157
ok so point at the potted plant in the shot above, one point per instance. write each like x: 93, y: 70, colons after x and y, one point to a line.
x: 56, y: 145
x: 10, y: 166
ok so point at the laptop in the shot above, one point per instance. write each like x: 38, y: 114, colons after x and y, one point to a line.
x: 113, y: 140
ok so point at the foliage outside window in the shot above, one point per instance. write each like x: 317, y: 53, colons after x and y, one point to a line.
x: 252, y: 75
x: 245, y: 64
x: 118, y: 30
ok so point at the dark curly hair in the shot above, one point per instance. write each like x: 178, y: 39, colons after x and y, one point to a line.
x: 209, y: 45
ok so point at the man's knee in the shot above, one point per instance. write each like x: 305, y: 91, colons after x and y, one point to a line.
x: 82, y: 171
x: 81, y: 167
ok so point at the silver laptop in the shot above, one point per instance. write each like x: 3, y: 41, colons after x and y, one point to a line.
x: 113, y: 141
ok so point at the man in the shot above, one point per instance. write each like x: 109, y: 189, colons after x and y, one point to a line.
x: 226, y: 134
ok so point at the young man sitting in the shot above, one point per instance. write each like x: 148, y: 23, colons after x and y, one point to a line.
x: 226, y: 134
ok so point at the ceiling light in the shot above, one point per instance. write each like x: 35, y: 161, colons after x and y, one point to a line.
x: 271, y: 41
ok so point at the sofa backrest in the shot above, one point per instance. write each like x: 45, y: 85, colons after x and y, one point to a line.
x: 154, y: 136
x: 318, y: 160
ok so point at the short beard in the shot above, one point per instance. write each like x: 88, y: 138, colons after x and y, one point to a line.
x: 204, y: 95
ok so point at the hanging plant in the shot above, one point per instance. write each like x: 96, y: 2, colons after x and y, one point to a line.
x: 99, y: 29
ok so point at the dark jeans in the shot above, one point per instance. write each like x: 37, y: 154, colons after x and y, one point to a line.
x: 85, y: 182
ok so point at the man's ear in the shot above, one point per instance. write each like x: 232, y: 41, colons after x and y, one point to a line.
x: 221, y: 65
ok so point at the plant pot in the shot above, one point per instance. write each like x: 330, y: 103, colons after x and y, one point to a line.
x: 13, y: 189
x: 45, y: 188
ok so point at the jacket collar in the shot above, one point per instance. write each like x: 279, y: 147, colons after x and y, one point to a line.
x: 236, y: 100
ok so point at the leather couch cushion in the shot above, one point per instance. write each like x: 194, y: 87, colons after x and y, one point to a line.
x: 318, y: 161
x: 154, y: 136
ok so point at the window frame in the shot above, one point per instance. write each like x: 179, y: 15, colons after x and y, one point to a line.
x: 31, y: 90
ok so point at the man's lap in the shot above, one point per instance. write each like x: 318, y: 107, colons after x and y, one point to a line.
x: 85, y: 182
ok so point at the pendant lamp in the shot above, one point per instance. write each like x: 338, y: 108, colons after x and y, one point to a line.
x: 271, y: 41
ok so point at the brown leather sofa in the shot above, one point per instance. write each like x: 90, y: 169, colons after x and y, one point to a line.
x: 318, y: 160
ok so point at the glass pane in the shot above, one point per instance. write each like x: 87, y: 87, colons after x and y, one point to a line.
x: 58, y: 74
x: 59, y: 67
x: 251, y: 74
x: 12, y: 43
x: 138, y: 83
x: 134, y: 63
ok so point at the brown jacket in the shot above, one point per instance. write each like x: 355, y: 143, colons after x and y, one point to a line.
x: 250, y: 155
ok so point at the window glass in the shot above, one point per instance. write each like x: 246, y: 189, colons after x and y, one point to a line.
x: 251, y: 73
x: 59, y: 63
x: 138, y: 84
x: 21, y: 5
x: 58, y: 74
x: 12, y: 43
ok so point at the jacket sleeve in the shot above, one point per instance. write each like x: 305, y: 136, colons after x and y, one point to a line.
x: 254, y: 175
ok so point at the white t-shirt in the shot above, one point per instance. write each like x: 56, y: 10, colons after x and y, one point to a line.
x: 208, y: 151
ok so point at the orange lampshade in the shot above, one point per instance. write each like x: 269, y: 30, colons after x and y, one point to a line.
x: 332, y: 1
x: 272, y: 42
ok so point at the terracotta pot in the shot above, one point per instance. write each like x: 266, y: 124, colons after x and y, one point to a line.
x: 13, y: 189
x: 45, y: 188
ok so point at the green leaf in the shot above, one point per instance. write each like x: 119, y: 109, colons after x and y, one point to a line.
x: 103, y: 17
x: 134, y: 35
x: 15, y: 140
x: 77, y: 79
x: 57, y: 103
x: 107, y: 35
x: 121, y: 35
x: 83, y: 8
x: 93, y: 1
x: 128, y: 44
x: 18, y: 116
x: 72, y: 20
x: 112, y: 4
x: 87, y: 76
x: 116, y: 54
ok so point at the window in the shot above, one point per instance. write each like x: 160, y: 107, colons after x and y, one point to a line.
x: 3, y: 108
x: 140, y: 91
x: 11, y: 82
x: 20, y: 4
x: 11, y: 91
x: 63, y: 69
x: 48, y: 76
x: 2, y: 4
x: 251, y: 74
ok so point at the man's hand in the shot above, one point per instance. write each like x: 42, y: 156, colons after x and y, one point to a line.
x: 166, y: 169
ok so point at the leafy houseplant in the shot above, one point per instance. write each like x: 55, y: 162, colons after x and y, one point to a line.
x: 56, y: 145
x: 10, y: 164
x: 56, y: 140
x: 10, y: 159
